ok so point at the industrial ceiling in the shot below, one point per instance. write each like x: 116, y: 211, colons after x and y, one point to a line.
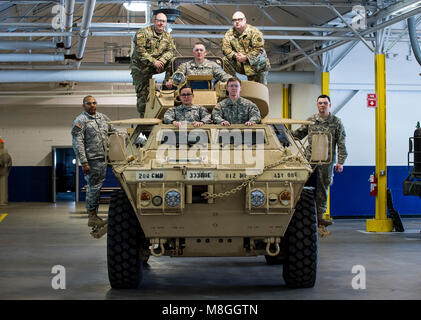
x: 79, y: 35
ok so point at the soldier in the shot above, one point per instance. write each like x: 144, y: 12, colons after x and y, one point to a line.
x: 152, y: 54
x: 187, y: 112
x: 235, y: 109
x: 89, y: 133
x: 5, y: 166
x: 201, y: 66
x: 326, y: 122
x: 243, y: 50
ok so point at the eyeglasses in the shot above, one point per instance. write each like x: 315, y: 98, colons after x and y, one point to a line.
x: 199, y: 50
x: 186, y: 94
x: 323, y: 102
x: 237, y: 20
x: 91, y: 103
x: 233, y: 86
x: 159, y: 20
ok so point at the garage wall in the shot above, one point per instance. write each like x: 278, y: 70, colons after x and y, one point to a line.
x: 30, y: 131
x: 350, y: 191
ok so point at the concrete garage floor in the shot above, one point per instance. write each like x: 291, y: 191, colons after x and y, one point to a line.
x: 35, y: 237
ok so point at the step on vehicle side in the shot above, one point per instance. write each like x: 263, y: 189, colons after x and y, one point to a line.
x: 212, y: 191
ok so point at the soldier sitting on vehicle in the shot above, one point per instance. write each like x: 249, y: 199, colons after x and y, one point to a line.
x: 187, y: 111
x: 200, y: 66
x: 235, y: 109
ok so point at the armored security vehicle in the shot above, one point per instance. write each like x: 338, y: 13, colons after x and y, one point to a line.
x: 212, y: 191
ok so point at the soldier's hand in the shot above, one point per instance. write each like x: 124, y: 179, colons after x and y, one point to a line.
x: 225, y: 123
x: 86, y: 168
x: 249, y: 123
x: 159, y: 66
x: 176, y: 124
x: 339, y: 167
x: 168, y: 84
x: 241, y: 57
x: 198, y: 124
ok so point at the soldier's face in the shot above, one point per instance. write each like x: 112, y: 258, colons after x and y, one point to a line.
x: 239, y: 22
x: 90, y: 105
x: 160, y: 22
x: 186, y: 96
x: 323, y: 105
x: 199, y: 52
x: 234, y: 89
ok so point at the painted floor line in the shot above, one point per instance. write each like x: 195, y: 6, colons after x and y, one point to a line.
x: 2, y: 216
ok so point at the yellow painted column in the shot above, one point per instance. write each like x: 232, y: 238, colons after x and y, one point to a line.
x: 286, y: 114
x: 380, y: 223
x: 325, y: 90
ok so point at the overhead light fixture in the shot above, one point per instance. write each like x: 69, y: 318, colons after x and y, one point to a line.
x: 135, y: 5
x: 406, y: 9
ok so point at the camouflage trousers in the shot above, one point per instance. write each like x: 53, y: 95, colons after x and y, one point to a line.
x: 141, y: 76
x: 95, y: 179
x: 232, y: 67
x: 324, y: 180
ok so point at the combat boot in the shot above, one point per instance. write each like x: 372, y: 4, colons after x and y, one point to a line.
x: 323, y: 222
x: 94, y: 220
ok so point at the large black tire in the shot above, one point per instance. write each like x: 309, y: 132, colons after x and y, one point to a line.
x: 124, y: 241
x: 300, y: 265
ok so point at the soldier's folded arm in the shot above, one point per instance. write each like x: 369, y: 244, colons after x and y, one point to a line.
x: 168, y: 54
x: 227, y: 49
x: 143, y: 55
x: 257, y: 47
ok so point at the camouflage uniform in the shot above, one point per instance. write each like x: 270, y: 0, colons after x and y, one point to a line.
x: 187, y: 113
x: 332, y: 125
x: 89, y: 135
x: 249, y: 43
x: 205, y: 68
x: 236, y: 112
x: 149, y: 47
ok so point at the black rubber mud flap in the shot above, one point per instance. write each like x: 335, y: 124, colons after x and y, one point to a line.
x: 396, y: 218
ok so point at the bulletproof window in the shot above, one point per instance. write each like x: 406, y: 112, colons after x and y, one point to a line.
x: 246, y: 137
x: 189, y: 138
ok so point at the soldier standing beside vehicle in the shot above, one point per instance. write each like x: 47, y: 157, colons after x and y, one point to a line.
x: 5, y: 166
x: 187, y: 112
x: 243, y: 50
x: 235, y: 109
x: 326, y: 122
x: 201, y: 66
x: 89, y: 138
x: 153, y: 51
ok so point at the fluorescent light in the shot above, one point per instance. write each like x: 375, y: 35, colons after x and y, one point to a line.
x: 406, y: 9
x: 135, y: 6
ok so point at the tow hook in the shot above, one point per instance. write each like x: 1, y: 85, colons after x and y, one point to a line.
x: 159, y: 244
x: 273, y: 240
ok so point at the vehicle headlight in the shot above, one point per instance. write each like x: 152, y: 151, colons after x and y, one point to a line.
x: 145, y: 198
x: 257, y: 198
x: 173, y: 198
x: 285, y: 198
x: 157, y: 201
x: 178, y: 78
